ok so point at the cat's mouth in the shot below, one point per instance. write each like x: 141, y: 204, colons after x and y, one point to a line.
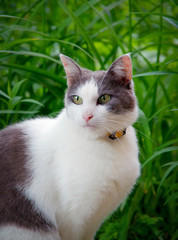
x: 89, y: 125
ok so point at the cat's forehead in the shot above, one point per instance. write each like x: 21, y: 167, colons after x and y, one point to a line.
x: 88, y: 90
x: 91, y: 82
x: 88, y: 79
x: 96, y: 76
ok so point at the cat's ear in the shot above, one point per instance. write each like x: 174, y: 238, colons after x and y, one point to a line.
x: 72, y: 69
x: 121, y: 70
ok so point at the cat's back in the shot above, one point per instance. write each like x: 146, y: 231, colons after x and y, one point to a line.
x: 16, y: 209
x: 12, y: 154
x: 15, y: 155
x: 14, y: 141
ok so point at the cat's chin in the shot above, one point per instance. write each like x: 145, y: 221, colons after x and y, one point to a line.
x: 93, y: 131
x: 89, y: 126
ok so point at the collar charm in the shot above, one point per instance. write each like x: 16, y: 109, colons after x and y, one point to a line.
x: 116, y: 135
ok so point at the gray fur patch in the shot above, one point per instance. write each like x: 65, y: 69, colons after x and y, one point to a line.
x: 122, y: 97
x: 85, y: 76
x: 15, y: 208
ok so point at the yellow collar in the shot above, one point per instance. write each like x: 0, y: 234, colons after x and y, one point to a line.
x: 117, y: 134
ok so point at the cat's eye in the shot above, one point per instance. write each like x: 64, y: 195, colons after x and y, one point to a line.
x: 77, y: 100
x: 104, y: 99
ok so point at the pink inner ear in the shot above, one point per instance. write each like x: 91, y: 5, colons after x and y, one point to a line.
x: 127, y: 65
x: 63, y: 60
x: 66, y: 67
x: 65, y: 64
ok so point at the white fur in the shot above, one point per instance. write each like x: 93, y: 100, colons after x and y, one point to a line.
x: 79, y: 174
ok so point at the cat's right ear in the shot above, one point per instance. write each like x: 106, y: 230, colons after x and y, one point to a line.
x: 121, y: 70
x: 72, y: 69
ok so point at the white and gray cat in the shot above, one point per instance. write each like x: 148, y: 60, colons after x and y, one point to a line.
x: 60, y: 178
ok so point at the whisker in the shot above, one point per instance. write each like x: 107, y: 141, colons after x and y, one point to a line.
x: 109, y: 120
x: 145, y: 135
x: 115, y: 121
x: 111, y: 130
x: 108, y: 129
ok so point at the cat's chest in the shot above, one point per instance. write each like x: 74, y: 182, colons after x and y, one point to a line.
x: 88, y: 159
x: 85, y: 169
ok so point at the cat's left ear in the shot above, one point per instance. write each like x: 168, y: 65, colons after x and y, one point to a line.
x: 72, y: 69
x: 121, y: 70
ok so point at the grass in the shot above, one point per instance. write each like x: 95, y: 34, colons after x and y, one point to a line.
x: 94, y: 33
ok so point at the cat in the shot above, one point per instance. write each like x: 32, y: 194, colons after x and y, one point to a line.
x: 61, y: 177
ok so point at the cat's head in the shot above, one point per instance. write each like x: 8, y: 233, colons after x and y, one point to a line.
x: 101, y: 101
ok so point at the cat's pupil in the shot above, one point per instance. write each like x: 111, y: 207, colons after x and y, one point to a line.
x: 77, y: 100
x: 104, y: 99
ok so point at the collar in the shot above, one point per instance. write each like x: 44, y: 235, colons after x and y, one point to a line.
x: 117, y: 134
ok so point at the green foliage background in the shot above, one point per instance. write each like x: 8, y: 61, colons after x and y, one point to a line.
x: 94, y: 33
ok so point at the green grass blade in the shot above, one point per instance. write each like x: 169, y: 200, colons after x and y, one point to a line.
x: 154, y: 73
x: 32, y: 101
x: 29, y: 53
x: 82, y: 29
x: 173, y: 22
x: 158, y: 153
x: 110, y: 28
x: 56, y: 81
x: 16, y: 88
x: 77, y: 13
x: 4, y: 95
x: 168, y: 171
x: 17, y: 112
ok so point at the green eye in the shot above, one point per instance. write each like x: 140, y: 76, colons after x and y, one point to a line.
x: 104, y: 99
x: 77, y: 100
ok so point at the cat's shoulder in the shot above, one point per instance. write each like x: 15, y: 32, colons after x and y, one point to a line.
x: 15, y: 136
x: 10, y: 136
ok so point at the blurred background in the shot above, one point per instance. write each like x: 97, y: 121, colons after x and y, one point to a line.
x: 94, y: 33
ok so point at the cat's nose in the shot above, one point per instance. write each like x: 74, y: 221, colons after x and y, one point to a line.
x: 87, y: 117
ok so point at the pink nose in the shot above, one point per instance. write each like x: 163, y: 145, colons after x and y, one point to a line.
x: 87, y: 117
